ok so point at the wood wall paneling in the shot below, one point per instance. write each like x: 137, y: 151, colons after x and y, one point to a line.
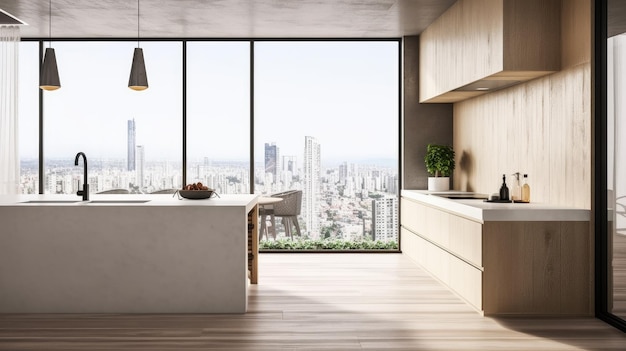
x: 541, y: 127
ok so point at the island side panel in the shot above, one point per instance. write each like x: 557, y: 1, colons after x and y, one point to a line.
x: 123, y: 259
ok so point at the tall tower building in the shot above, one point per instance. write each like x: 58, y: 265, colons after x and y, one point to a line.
x: 140, y: 153
x: 272, y: 157
x: 312, y: 181
x: 385, y: 219
x: 290, y: 164
x: 130, y: 160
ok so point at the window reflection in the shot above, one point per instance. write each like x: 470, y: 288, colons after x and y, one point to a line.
x: 616, y: 148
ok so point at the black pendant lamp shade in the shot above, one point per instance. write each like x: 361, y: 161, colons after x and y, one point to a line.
x: 138, y: 79
x: 49, y: 75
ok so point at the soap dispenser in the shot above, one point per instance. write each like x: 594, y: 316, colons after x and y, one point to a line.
x: 516, y: 193
x: 504, y: 190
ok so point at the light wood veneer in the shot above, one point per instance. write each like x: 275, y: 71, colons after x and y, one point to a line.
x: 502, y: 268
x: 488, y: 40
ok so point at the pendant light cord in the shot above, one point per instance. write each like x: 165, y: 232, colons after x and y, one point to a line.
x: 50, y: 23
x: 137, y: 23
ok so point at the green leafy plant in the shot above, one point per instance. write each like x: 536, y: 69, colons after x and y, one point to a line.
x: 439, y: 160
x: 326, y: 244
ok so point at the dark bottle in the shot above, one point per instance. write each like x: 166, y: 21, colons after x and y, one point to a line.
x: 504, y: 190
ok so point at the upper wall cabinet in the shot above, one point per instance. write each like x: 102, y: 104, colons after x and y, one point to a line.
x: 478, y: 46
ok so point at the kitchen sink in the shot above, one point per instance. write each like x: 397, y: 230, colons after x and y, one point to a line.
x: 51, y: 201
x: 472, y: 196
x: 118, y: 201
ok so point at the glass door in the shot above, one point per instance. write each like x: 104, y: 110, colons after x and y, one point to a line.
x: 613, y: 237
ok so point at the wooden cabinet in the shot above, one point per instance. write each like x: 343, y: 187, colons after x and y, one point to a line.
x: 488, y: 44
x: 253, y: 245
x: 503, y: 268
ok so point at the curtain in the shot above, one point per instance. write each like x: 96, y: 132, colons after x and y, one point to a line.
x: 9, y: 155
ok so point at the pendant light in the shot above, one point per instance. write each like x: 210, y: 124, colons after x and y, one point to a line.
x: 49, y: 74
x: 138, y: 79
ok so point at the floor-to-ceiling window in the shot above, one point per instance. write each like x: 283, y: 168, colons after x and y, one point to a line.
x: 326, y: 124
x: 218, y: 115
x: 132, y: 139
x: 325, y: 116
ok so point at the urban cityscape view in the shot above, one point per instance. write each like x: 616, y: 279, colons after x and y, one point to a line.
x: 325, y: 123
x: 349, y: 201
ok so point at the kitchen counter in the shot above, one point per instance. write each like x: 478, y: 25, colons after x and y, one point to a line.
x: 502, y: 258
x: 137, y: 200
x: 481, y: 211
x: 161, y: 256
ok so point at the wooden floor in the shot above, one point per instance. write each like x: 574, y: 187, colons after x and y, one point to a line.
x: 319, y: 302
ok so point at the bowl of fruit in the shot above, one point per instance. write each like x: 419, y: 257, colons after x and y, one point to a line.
x: 196, y: 191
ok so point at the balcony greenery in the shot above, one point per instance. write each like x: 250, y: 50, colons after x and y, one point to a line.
x: 326, y: 244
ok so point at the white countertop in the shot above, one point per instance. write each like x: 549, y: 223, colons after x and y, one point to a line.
x: 482, y: 211
x: 154, y: 200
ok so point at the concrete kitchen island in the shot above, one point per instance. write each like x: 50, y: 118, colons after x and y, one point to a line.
x: 162, y: 256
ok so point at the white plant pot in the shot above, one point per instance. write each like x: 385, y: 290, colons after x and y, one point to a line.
x: 438, y: 183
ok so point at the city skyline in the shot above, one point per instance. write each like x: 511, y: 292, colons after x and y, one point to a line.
x: 350, y: 201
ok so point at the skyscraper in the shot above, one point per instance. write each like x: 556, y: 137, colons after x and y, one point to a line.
x: 272, y: 161
x: 140, y: 167
x: 311, y: 191
x: 385, y: 219
x: 290, y: 164
x: 131, y: 146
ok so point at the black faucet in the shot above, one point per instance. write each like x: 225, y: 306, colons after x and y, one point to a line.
x: 85, y: 191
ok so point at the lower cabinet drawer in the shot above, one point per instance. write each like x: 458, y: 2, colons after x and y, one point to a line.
x: 458, y: 275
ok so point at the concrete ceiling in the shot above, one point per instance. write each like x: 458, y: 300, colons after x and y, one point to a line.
x: 226, y: 18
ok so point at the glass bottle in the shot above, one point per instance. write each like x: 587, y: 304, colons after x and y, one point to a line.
x: 526, y: 190
x: 504, y: 190
x: 516, y: 192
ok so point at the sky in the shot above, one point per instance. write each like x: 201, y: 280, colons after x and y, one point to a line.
x: 343, y: 93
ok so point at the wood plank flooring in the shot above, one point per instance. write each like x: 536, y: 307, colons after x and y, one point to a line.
x: 319, y: 302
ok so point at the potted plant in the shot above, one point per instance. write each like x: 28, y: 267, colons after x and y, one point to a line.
x: 440, y: 164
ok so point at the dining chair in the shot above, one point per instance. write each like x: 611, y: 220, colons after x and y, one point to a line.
x: 289, y: 209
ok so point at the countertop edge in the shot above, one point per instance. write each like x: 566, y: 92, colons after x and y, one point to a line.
x: 480, y: 211
x: 248, y: 201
